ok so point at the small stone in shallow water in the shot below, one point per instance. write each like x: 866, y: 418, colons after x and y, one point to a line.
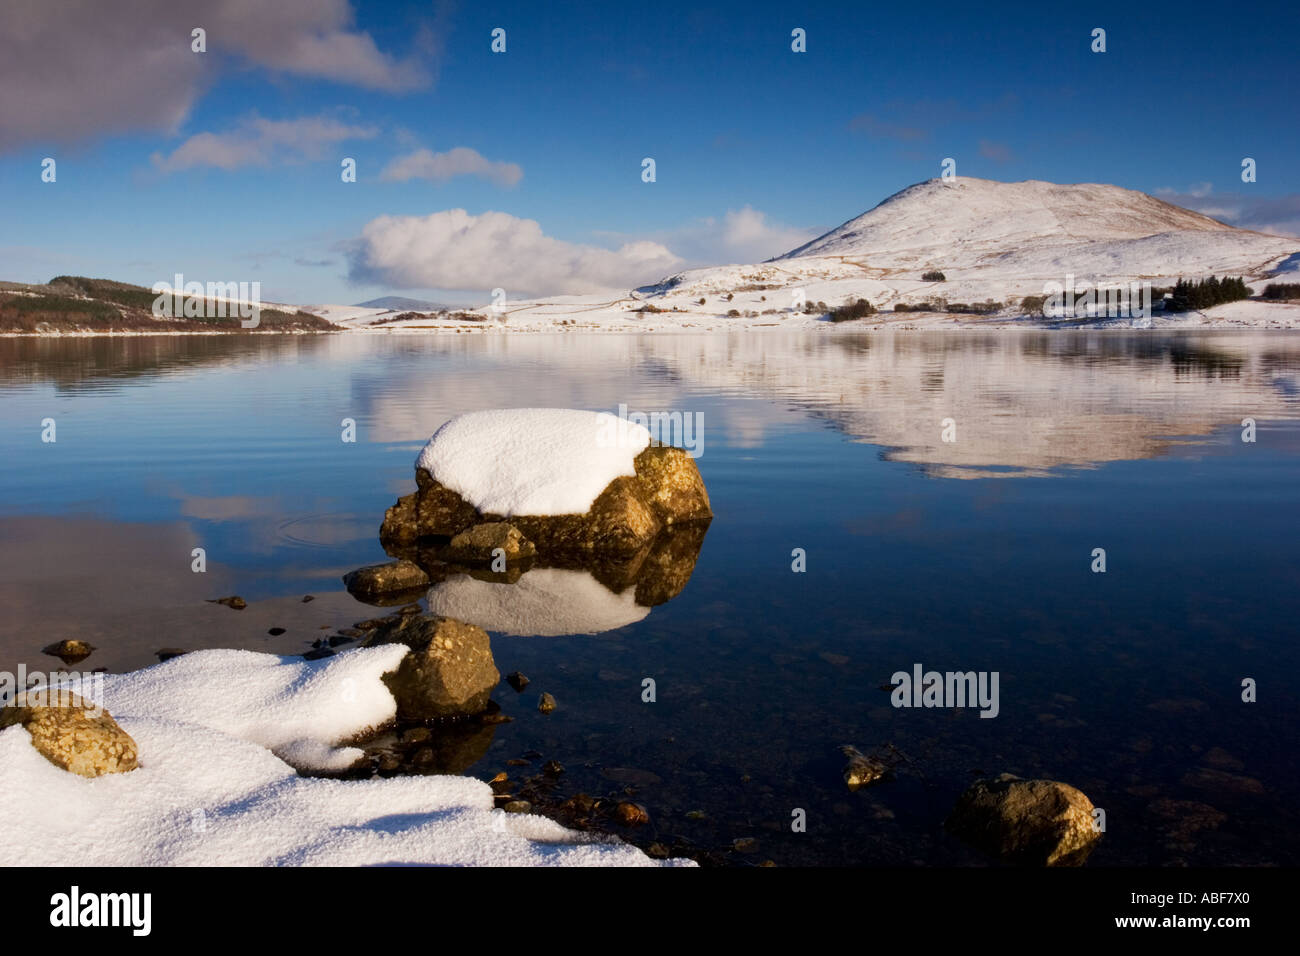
x: 275, y: 631
x: 518, y: 806
x: 579, y: 803
x: 69, y: 651
x: 307, y: 599
x: 517, y: 680
x: 745, y: 845
x: 318, y: 653
x: 234, y: 601
x: 517, y: 762
x: 167, y: 653
x: 1028, y: 822
x: 415, y: 735
x: 657, y: 851
x: 553, y: 767
x: 861, y: 770
x: 389, y: 762
x: 546, y: 703
x: 631, y: 814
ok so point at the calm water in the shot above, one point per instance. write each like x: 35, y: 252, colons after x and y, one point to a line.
x: 972, y: 554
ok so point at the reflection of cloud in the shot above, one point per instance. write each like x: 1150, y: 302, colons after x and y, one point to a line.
x: 227, y: 507
x: 546, y: 602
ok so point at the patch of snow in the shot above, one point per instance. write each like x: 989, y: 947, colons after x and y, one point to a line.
x: 546, y: 602
x: 208, y: 792
x: 533, y: 461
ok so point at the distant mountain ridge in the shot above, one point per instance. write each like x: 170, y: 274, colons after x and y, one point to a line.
x: 401, y: 304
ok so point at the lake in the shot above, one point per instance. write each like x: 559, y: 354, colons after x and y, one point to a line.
x: 948, y: 492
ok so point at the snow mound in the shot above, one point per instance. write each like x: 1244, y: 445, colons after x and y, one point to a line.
x: 209, y: 792
x: 546, y: 602
x: 291, y: 706
x: 533, y: 461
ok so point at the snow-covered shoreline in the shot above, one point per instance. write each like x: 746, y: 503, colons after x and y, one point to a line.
x: 217, y: 731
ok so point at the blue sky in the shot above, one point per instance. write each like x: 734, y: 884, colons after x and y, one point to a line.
x: 226, y: 165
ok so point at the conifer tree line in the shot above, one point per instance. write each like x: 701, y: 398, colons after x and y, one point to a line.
x: 1189, y: 295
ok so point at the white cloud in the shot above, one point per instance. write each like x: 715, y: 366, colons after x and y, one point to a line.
x: 742, y: 235
x: 261, y: 142
x: 1278, y: 215
x: 75, y: 69
x: 455, y: 250
x: 440, y: 167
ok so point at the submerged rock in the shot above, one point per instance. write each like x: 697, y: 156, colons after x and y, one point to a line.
x: 1031, y: 822
x: 234, y: 601
x: 71, y: 734
x: 380, y: 581
x: 546, y: 703
x: 862, y: 770
x: 449, y: 672
x: 517, y: 680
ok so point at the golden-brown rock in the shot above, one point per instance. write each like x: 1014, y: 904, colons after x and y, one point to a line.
x: 72, y: 734
x: 1031, y: 822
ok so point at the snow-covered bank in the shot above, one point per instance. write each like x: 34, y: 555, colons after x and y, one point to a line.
x: 210, y: 791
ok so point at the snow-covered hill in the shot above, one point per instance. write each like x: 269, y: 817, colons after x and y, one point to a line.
x: 999, y: 241
x: 993, y: 242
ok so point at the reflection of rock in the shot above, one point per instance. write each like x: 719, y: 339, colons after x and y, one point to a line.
x: 624, y: 518
x: 544, y: 601
x: 386, y: 583
x: 449, y: 672
x: 669, y: 565
x: 1033, y: 822
x: 80, y: 738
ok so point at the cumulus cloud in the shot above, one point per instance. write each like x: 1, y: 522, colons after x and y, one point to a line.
x: 261, y: 142
x: 455, y: 250
x: 75, y: 69
x: 1278, y: 215
x: 440, y: 167
x: 742, y: 235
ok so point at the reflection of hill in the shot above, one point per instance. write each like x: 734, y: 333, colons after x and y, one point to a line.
x: 1023, y: 403
x: 73, y: 362
x: 1026, y: 403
